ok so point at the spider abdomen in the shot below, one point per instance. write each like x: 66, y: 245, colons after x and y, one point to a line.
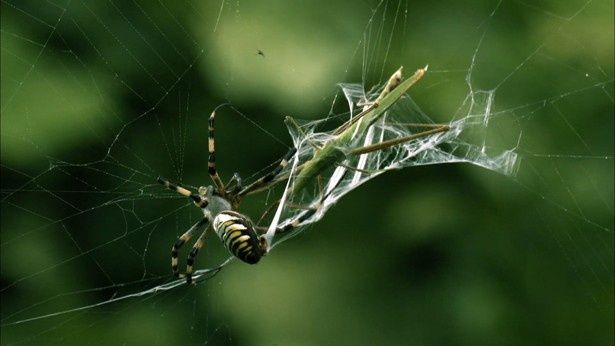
x: 238, y: 235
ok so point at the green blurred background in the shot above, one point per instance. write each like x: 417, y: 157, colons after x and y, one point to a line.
x: 98, y: 98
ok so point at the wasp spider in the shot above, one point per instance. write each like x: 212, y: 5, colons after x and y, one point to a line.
x: 219, y: 204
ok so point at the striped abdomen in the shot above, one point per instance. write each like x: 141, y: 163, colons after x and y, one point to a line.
x: 238, y: 236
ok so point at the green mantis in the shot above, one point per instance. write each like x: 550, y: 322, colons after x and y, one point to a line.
x: 334, y: 151
x: 310, y: 165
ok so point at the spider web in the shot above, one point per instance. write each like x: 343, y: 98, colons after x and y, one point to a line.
x: 98, y: 99
x: 403, y: 120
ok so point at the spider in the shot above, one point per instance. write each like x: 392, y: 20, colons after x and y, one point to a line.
x: 219, y: 205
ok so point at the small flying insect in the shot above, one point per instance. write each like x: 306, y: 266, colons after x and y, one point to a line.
x: 260, y: 52
x: 220, y: 202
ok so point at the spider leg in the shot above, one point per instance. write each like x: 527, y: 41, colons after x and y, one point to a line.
x: 181, y: 241
x: 268, y: 178
x: 303, y: 216
x: 289, y: 226
x: 199, y: 201
x: 195, y: 250
x: 234, y: 185
x: 211, y: 161
x: 297, y: 221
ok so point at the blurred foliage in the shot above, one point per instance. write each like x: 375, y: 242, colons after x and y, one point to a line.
x: 433, y: 255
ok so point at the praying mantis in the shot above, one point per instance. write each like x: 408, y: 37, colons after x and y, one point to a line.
x: 330, y: 153
x: 340, y: 145
x: 334, y: 151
